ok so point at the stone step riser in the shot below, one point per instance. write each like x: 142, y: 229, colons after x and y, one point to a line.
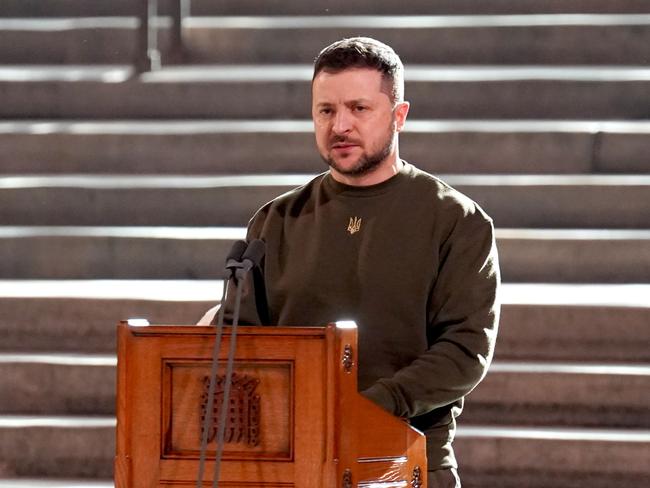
x: 533, y: 99
x: 70, y: 8
x: 526, y: 332
x: 538, y: 205
x: 575, y: 261
x: 55, y: 483
x: 529, y: 44
x: 630, y: 45
x: 73, y: 8
x: 521, y: 260
x: 89, y: 325
x: 60, y: 452
x: 560, y: 399
x: 540, y: 463
x: 504, y: 398
x: 565, y: 333
x: 543, y: 479
x: 114, y: 258
x: 35, y: 388
x: 76, y: 46
x: 259, y: 152
x: 413, y: 7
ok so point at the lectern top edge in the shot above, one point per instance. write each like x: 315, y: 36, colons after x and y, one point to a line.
x: 198, y: 330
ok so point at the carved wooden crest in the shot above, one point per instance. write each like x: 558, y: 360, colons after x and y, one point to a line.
x: 243, y: 418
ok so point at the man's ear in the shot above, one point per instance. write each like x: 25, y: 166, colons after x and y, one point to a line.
x: 401, y: 111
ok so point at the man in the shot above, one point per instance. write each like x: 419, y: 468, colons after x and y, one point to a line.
x: 376, y: 240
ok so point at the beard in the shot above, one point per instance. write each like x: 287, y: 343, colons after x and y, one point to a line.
x: 367, y: 162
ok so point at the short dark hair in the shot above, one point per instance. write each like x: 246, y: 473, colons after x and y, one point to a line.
x: 364, y: 52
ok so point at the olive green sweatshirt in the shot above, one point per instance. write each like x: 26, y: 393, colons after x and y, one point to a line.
x: 413, y: 262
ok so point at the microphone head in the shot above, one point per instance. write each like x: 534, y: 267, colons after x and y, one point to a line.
x: 237, y: 251
x: 255, y: 252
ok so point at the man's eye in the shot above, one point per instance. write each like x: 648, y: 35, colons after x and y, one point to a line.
x: 325, y: 111
x: 360, y: 108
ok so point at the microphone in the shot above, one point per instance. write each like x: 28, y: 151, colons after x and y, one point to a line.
x: 235, y: 255
x: 252, y: 257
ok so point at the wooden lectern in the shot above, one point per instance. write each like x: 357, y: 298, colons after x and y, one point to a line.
x: 295, y: 417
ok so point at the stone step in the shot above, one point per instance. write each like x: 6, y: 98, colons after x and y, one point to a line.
x: 414, y: 7
x: 574, y: 256
x: 514, y: 393
x: 84, y: 8
x: 73, y: 8
x: 518, y: 457
x: 539, y: 322
x: 81, y: 315
x: 54, y: 483
x: 574, y: 322
x: 548, y: 201
x: 562, y: 394
x: 69, y: 40
x: 84, y: 447
x: 526, y: 255
x: 283, y: 91
x: 72, y: 384
x: 285, y: 146
x: 51, y: 446
x: 543, y: 39
x: 486, y: 39
x: 116, y: 252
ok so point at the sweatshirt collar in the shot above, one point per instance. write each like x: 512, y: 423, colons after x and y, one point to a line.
x: 342, y: 189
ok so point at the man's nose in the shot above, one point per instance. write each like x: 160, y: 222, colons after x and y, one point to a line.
x: 342, y: 122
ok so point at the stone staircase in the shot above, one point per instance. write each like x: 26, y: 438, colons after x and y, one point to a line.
x: 121, y: 194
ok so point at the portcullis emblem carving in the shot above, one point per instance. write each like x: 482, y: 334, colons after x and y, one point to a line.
x: 243, y: 418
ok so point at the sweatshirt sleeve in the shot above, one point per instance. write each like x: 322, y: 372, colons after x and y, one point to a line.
x: 463, y: 315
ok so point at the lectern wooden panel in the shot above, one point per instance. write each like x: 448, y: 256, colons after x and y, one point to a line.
x: 294, y: 418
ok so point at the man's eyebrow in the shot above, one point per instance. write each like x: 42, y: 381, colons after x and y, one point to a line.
x: 354, y: 101
x: 357, y: 101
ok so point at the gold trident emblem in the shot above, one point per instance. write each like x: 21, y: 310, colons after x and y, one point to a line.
x: 355, y: 225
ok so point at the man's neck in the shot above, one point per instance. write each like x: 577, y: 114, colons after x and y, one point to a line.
x: 386, y: 170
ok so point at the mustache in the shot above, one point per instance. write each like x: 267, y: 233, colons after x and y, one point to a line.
x: 343, y: 140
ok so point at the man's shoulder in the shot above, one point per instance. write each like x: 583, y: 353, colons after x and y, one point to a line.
x: 290, y: 201
x: 444, y: 197
x: 299, y: 194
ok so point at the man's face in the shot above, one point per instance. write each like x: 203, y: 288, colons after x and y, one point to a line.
x: 355, y: 121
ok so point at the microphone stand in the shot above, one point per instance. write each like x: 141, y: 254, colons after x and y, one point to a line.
x: 232, y: 263
x: 242, y: 258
